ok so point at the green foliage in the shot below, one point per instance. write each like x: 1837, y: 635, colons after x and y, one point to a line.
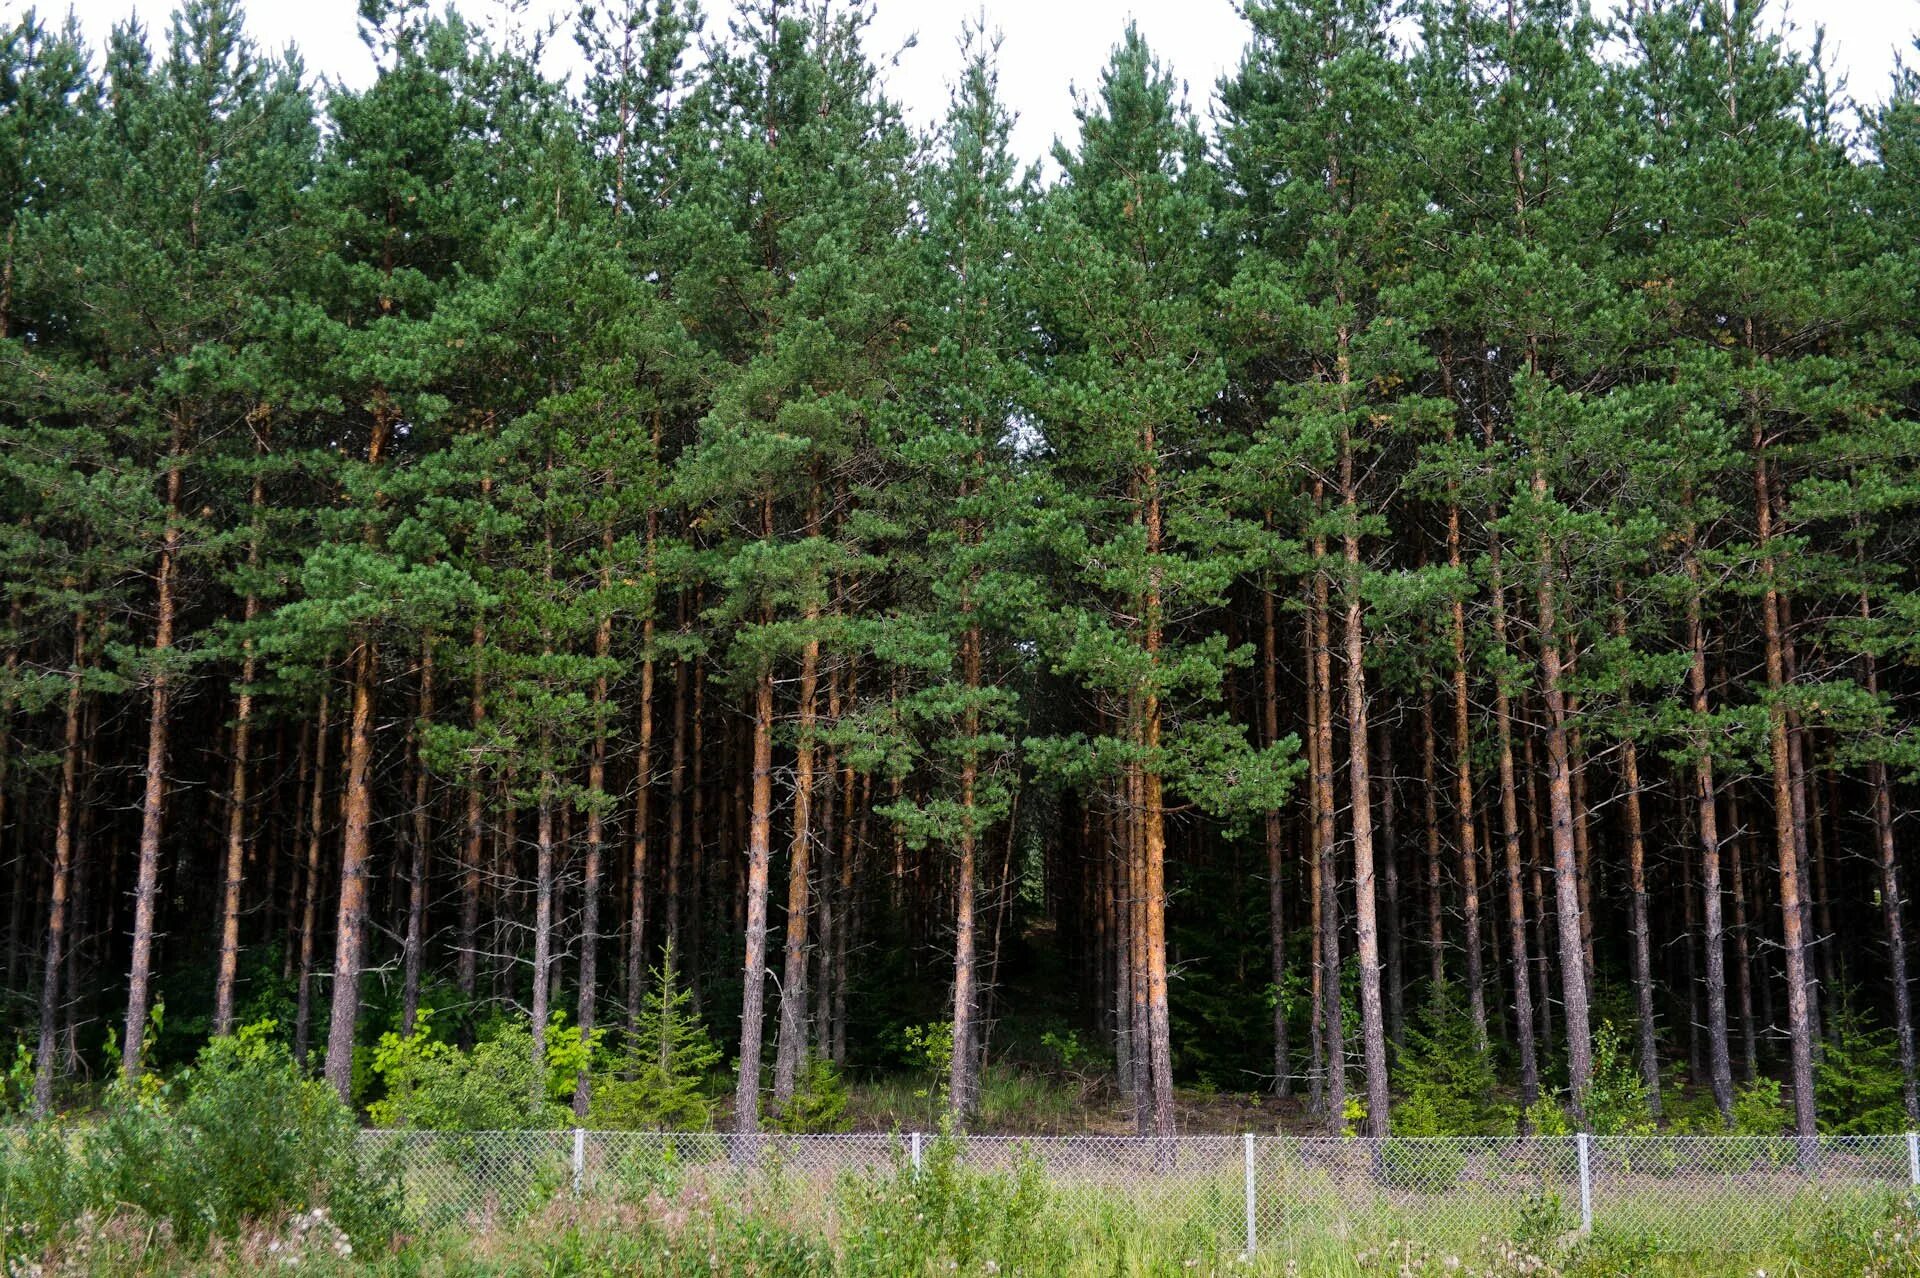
x: 242, y: 1135
x: 662, y: 1078
x: 945, y: 1218
x: 1758, y: 1109
x: 16, y: 1085
x: 433, y: 1085
x: 1616, y: 1097
x: 1857, y: 1078
x: 1446, y: 1082
x: 819, y: 1101
x: 928, y: 1049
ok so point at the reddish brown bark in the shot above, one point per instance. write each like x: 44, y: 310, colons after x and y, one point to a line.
x: 60, y: 883
x: 153, y: 797
x: 227, y: 973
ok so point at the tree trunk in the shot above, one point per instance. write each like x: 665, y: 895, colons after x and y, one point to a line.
x: 1892, y: 906
x: 1706, y: 799
x: 1332, y: 1030
x: 356, y: 826
x: 963, y: 1084
x: 415, y: 945
x: 1743, y: 959
x: 746, y: 1101
x: 227, y: 975
x: 1276, y: 889
x: 1436, y: 902
x: 790, y: 1052
x: 62, y: 872
x: 542, y: 925
x: 467, y: 970
x: 1463, y: 790
x: 1647, y: 1041
x: 1799, y: 1028
x: 153, y: 798
x: 310, y: 895
x: 1316, y: 864
x: 596, y: 834
x: 1360, y: 786
x: 1523, y: 1009
x: 1566, y: 873
x: 355, y: 841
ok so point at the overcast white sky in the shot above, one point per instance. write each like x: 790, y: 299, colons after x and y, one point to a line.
x: 1049, y: 46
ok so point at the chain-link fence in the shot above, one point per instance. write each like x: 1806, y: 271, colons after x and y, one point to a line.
x: 1260, y: 1193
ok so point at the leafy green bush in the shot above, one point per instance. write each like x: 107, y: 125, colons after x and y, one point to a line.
x: 819, y: 1102
x: 242, y: 1135
x: 1758, y: 1111
x: 660, y: 1080
x: 944, y: 1218
x: 1616, y: 1099
x: 16, y: 1085
x: 435, y: 1086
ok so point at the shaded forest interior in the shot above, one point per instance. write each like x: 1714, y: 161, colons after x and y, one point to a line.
x: 1401, y: 606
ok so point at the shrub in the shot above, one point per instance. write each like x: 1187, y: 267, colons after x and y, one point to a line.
x: 241, y: 1135
x: 660, y: 1080
x: 819, y: 1102
x: 1758, y: 1111
x: 1857, y: 1082
x: 1447, y: 1080
x: 435, y: 1086
x: 1616, y: 1099
x: 944, y: 1218
x: 16, y: 1085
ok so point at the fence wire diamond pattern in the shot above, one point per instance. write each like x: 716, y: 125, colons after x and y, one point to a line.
x: 1264, y: 1193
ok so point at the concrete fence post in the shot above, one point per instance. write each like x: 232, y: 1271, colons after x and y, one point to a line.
x: 1583, y: 1143
x: 1253, y: 1234
x: 579, y: 1158
x: 1913, y: 1159
x: 913, y: 1141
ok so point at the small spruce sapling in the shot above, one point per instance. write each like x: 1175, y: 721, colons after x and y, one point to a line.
x: 660, y: 1080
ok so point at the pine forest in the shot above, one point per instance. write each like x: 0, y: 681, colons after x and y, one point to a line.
x: 1378, y: 595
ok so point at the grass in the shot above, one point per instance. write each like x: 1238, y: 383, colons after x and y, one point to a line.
x: 667, y: 1216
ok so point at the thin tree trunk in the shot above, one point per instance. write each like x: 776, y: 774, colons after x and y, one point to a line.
x: 543, y: 853
x: 1892, y: 904
x: 1316, y: 864
x: 227, y: 975
x: 467, y: 970
x: 356, y: 824
x: 1509, y: 826
x: 1743, y: 959
x: 596, y: 835
x: 1566, y: 873
x: 62, y: 872
x: 1463, y: 783
x: 1642, y: 950
x: 1799, y: 1027
x: 964, y: 1079
x: 415, y: 945
x: 746, y: 1103
x: 1436, y: 902
x: 1395, y: 976
x: 1706, y: 799
x: 1332, y: 1030
x: 1276, y: 889
x: 310, y: 896
x: 153, y: 798
x: 790, y: 1051
x: 1360, y: 786
x: 355, y: 841
x: 637, y: 868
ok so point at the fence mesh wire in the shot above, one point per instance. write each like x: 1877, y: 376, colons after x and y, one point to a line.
x: 1278, y: 1192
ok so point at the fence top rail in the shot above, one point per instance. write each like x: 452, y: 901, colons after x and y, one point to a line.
x: 1823, y: 1141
